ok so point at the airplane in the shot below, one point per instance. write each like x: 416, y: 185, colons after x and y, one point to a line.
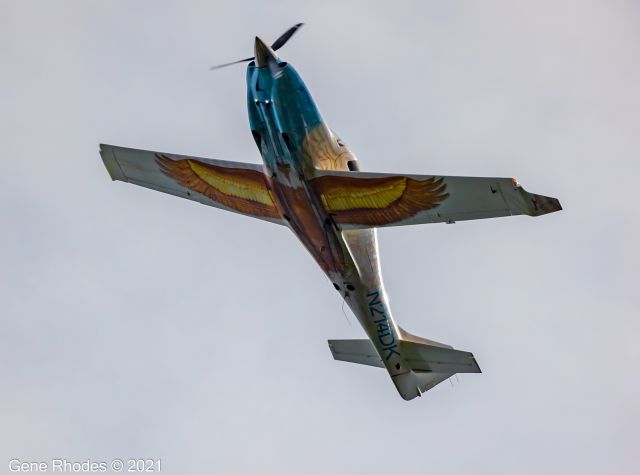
x: 311, y: 182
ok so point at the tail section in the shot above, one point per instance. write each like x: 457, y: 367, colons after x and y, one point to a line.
x: 428, y: 362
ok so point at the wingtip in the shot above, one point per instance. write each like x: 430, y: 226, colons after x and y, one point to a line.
x: 110, y: 162
x: 545, y: 204
x: 475, y: 364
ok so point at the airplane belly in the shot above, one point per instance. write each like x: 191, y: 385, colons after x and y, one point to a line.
x: 297, y: 203
x: 311, y: 227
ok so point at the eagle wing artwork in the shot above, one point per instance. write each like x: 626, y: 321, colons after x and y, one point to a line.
x: 311, y: 182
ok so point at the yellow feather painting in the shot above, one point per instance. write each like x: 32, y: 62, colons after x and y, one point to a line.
x: 378, y: 201
x: 241, y: 189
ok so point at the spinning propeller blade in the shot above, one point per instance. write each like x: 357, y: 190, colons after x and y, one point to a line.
x: 286, y: 36
x: 230, y: 64
x: 277, y: 44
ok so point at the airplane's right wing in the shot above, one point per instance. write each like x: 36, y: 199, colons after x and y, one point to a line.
x: 233, y: 186
x: 360, y: 200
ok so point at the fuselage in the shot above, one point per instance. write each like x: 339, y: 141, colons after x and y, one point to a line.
x: 296, y: 145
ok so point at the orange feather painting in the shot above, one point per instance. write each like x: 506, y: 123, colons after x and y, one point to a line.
x: 241, y: 189
x: 378, y: 201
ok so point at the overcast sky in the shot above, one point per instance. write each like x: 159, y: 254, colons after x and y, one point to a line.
x: 136, y: 324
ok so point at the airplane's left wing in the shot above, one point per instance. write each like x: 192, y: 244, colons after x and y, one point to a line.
x: 234, y: 186
x: 362, y: 200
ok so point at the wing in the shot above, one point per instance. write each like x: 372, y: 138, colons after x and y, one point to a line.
x: 234, y: 186
x: 360, y: 200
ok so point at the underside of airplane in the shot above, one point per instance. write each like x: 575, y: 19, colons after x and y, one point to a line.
x: 311, y: 182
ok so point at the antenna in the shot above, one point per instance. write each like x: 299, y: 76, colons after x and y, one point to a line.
x: 346, y: 294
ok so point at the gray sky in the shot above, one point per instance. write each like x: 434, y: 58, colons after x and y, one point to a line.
x: 136, y: 324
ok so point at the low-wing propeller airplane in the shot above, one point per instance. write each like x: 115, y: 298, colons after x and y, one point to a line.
x: 311, y: 182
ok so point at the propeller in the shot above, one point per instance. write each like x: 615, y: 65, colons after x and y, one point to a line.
x: 277, y: 44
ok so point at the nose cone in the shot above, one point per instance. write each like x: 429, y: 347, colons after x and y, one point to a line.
x: 264, y: 54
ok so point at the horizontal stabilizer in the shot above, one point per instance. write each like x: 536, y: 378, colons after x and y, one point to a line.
x: 435, y: 359
x: 430, y: 365
x: 355, y: 351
